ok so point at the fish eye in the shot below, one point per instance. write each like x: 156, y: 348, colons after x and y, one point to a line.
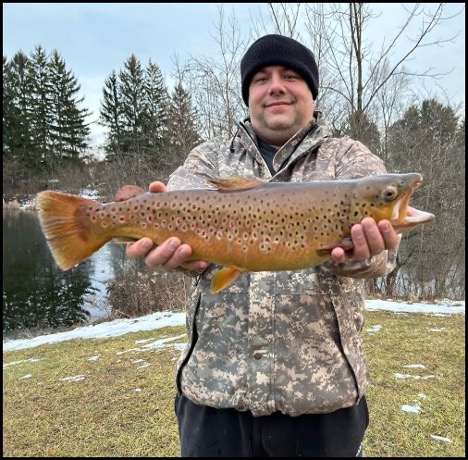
x: 390, y: 193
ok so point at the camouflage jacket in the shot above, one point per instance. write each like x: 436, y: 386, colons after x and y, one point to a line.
x: 279, y: 341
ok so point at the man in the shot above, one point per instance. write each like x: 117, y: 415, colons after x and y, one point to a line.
x: 274, y: 365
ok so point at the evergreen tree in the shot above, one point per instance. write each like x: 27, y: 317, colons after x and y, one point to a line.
x: 427, y: 140
x: 68, y: 130
x: 10, y: 111
x: 182, y: 135
x: 41, y: 103
x: 156, y: 100
x: 359, y: 127
x: 111, y: 115
x: 17, y: 94
x: 133, y: 106
x: 134, y: 109
x: 43, y: 125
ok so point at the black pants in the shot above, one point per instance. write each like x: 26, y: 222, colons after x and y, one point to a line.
x: 208, y: 432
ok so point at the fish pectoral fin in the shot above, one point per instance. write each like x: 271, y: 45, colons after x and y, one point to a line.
x: 232, y: 184
x: 128, y: 191
x: 346, y: 244
x: 224, y: 278
x: 124, y: 239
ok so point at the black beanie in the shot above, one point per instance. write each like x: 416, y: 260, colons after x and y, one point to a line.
x: 279, y: 50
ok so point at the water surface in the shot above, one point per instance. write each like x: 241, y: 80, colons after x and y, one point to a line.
x: 36, y: 292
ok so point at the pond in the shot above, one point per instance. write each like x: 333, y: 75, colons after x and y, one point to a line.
x: 36, y: 292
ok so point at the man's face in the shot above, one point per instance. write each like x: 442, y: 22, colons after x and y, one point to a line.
x: 280, y: 104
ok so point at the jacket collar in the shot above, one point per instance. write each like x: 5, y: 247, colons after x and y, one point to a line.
x: 307, y: 139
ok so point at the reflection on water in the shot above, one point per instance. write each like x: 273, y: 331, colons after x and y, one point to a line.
x: 38, y: 294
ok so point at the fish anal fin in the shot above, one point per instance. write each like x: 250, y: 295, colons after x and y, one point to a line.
x: 128, y: 191
x: 232, y: 184
x: 346, y: 244
x: 224, y: 278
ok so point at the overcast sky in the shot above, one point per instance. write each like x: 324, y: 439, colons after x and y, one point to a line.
x: 96, y: 38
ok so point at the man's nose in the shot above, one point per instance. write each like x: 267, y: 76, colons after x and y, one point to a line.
x: 276, y: 85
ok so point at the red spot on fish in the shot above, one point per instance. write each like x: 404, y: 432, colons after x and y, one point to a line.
x: 122, y: 219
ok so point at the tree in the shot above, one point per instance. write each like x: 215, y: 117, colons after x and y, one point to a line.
x: 156, y: 100
x: 17, y: 93
x: 358, y: 126
x: 132, y: 104
x: 182, y: 128
x: 68, y: 130
x: 428, y: 140
x: 43, y: 125
x: 41, y: 104
x: 134, y: 108
x: 214, y: 83
x: 110, y: 114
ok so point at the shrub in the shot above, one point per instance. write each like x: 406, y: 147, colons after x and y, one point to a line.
x: 138, y: 291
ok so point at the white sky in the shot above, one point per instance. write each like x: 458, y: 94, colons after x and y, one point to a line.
x: 162, y: 319
x: 96, y: 38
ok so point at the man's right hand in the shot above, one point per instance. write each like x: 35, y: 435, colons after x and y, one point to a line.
x: 170, y: 254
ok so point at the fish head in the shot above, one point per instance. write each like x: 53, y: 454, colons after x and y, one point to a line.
x: 387, y: 196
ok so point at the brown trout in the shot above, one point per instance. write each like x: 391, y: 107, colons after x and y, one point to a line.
x: 242, y: 224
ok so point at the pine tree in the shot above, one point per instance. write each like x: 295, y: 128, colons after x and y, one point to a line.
x: 134, y: 109
x: 426, y: 140
x: 17, y: 94
x: 156, y: 100
x: 68, y: 131
x: 110, y: 115
x: 41, y: 103
x: 132, y: 98
x: 182, y: 135
x: 359, y: 127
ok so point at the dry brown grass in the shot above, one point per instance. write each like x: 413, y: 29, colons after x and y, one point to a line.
x: 123, y: 409
x: 139, y: 290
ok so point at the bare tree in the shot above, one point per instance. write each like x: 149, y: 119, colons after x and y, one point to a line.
x: 214, y: 83
x: 358, y: 75
x: 285, y: 17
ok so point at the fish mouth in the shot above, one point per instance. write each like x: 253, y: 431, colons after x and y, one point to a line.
x: 414, y: 218
x: 405, y: 217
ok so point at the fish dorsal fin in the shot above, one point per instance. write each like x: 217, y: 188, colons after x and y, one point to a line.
x: 127, y: 192
x: 232, y: 184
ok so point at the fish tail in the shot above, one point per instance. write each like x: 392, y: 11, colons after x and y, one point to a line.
x: 67, y: 228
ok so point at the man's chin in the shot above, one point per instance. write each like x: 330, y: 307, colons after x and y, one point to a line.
x: 280, y: 125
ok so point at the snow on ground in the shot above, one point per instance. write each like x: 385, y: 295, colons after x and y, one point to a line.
x: 162, y: 319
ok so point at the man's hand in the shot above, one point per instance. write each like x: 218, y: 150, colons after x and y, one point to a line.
x: 369, y: 239
x: 170, y: 254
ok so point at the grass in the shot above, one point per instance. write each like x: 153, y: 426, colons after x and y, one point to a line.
x: 124, y: 406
